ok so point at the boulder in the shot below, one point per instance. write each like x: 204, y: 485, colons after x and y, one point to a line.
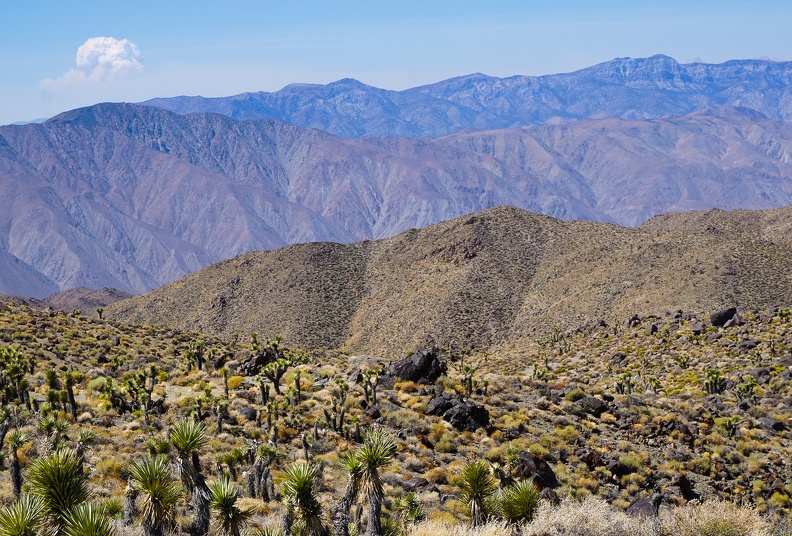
x: 537, y: 469
x: 248, y: 413
x: 424, y: 366
x: 761, y: 375
x: 772, y: 424
x: 418, y: 484
x: 719, y: 318
x: 592, y: 405
x: 736, y: 320
x: 464, y: 415
x: 647, y: 506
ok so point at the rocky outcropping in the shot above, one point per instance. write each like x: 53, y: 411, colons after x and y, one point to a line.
x: 464, y: 415
x: 424, y: 366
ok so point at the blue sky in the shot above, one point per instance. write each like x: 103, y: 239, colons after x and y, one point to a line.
x: 171, y: 47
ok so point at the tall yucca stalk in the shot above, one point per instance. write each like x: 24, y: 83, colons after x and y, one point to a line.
x: 477, y: 484
x: 15, y: 441
x: 187, y: 437
x: 377, y: 451
x: 341, y: 509
x: 158, y: 493
x: 23, y: 517
x: 299, y: 493
x: 59, y: 481
x: 231, y: 517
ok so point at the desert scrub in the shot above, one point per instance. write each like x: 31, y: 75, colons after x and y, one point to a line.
x: 590, y: 517
x: 715, y: 519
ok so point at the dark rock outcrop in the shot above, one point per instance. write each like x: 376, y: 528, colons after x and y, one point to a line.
x: 464, y: 415
x: 719, y: 318
x: 424, y: 366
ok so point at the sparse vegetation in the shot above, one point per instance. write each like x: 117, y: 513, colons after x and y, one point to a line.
x: 573, y: 432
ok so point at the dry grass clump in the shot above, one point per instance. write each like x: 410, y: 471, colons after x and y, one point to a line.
x: 590, y: 517
x: 442, y: 528
x: 715, y: 518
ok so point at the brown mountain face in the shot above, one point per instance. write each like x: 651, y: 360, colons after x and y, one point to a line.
x: 133, y: 197
x: 499, y: 278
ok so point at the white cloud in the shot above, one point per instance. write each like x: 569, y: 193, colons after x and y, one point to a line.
x: 100, y: 59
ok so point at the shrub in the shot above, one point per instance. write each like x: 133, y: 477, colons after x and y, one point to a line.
x: 715, y: 519
x: 590, y: 517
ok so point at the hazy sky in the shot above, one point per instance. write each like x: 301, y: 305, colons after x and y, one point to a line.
x: 51, y: 59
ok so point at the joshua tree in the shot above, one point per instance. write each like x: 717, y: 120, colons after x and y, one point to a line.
x: 187, y: 437
x: 299, y: 494
x: 58, y: 480
x: 477, y: 485
x: 23, y: 517
x: 341, y: 508
x: 15, y: 441
x: 69, y: 379
x: 377, y: 450
x: 153, y: 480
x: 231, y: 517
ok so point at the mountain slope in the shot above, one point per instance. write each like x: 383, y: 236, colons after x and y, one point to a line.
x: 499, y: 278
x: 133, y: 197
x: 627, y: 88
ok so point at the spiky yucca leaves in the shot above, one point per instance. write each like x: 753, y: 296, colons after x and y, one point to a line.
x: 299, y: 493
x: 23, y: 517
x: 187, y: 437
x: 88, y: 519
x: 377, y: 451
x: 15, y: 441
x: 477, y: 484
x: 159, y: 494
x: 59, y: 481
x: 410, y: 512
x: 354, y: 469
x: 232, y: 518
x: 518, y: 503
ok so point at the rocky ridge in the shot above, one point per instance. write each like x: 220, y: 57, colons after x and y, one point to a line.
x: 627, y: 88
x: 494, y: 280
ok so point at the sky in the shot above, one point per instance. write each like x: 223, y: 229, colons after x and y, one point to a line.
x: 57, y: 55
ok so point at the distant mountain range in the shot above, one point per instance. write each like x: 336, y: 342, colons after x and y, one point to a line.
x: 499, y: 278
x: 132, y: 196
x: 643, y: 88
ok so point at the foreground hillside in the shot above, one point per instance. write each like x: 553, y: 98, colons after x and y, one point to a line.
x: 494, y: 280
x: 669, y: 404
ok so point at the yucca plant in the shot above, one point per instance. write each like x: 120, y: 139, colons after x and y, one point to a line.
x: 341, y: 509
x: 59, y: 481
x: 23, y: 517
x: 187, y: 437
x: 477, y: 484
x: 15, y: 441
x: 518, y: 503
x: 89, y: 519
x: 231, y: 517
x: 409, y: 511
x: 377, y: 451
x: 299, y: 494
x: 153, y: 479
